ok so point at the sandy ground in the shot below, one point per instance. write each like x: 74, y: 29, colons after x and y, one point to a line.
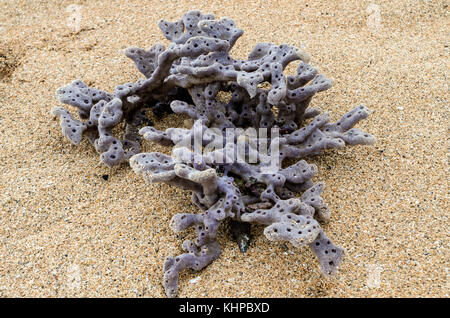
x: 64, y: 231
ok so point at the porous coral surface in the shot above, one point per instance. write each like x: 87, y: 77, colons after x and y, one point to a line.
x: 70, y: 226
x: 188, y: 77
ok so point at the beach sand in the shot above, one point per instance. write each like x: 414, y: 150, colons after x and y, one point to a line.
x: 65, y: 231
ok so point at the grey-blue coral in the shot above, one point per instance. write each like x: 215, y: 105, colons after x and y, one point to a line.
x: 193, y: 76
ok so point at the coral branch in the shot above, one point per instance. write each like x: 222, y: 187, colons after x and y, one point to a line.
x: 233, y: 155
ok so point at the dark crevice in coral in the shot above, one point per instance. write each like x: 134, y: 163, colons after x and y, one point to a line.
x: 161, y: 109
x: 241, y: 234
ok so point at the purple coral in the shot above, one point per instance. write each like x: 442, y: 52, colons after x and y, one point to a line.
x: 191, y: 75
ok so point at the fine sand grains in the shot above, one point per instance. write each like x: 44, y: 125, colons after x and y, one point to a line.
x: 65, y: 231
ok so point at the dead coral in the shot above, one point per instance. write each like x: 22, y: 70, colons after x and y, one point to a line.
x: 191, y: 77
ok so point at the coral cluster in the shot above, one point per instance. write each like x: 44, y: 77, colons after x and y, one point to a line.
x: 193, y: 76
